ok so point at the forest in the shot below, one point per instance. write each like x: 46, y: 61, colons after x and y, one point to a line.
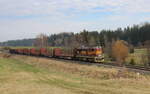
x: 135, y: 35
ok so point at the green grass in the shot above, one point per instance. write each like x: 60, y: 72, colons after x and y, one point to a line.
x: 140, y: 51
x: 15, y: 66
x: 139, y: 56
x: 30, y: 75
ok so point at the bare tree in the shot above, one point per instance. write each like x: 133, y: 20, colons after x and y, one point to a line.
x: 92, y: 41
x: 120, y: 51
x: 41, y: 41
x: 78, y: 41
x: 108, y: 46
x: 73, y: 41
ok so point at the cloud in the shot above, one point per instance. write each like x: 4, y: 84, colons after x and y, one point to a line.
x: 30, y: 7
x: 27, y: 18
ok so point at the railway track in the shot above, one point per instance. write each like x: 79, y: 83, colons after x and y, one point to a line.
x: 129, y: 66
x: 139, y: 69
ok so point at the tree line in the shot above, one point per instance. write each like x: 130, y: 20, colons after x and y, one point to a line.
x: 21, y: 42
x: 135, y: 35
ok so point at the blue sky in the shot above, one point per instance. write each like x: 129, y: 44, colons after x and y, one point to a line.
x: 27, y: 18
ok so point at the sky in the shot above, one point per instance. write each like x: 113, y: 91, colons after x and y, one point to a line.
x: 27, y: 18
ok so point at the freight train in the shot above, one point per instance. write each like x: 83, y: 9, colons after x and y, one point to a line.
x: 91, y: 54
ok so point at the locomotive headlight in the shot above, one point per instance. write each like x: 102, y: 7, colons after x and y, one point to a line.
x: 99, y: 55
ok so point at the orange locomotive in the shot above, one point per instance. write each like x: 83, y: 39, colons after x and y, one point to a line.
x: 94, y: 54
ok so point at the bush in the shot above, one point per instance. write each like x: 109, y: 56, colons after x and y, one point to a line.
x: 120, y: 51
x: 132, y: 62
x: 131, y: 50
x: 6, y: 48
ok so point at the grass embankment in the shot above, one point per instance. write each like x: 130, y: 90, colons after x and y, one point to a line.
x: 31, y: 75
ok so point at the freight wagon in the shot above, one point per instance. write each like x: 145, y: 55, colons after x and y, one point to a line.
x: 26, y: 51
x: 66, y: 53
x: 46, y: 52
x: 34, y: 52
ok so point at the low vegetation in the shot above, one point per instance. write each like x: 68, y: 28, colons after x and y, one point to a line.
x: 139, y: 57
x: 32, y: 75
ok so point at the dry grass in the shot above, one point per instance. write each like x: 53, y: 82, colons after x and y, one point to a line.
x: 31, y: 75
x: 25, y: 83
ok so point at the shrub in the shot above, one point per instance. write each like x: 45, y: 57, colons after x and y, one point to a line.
x: 132, y: 62
x: 120, y: 51
x: 131, y: 50
x: 6, y: 48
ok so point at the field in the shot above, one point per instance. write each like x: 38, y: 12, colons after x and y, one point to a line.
x: 139, y: 56
x: 31, y: 75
